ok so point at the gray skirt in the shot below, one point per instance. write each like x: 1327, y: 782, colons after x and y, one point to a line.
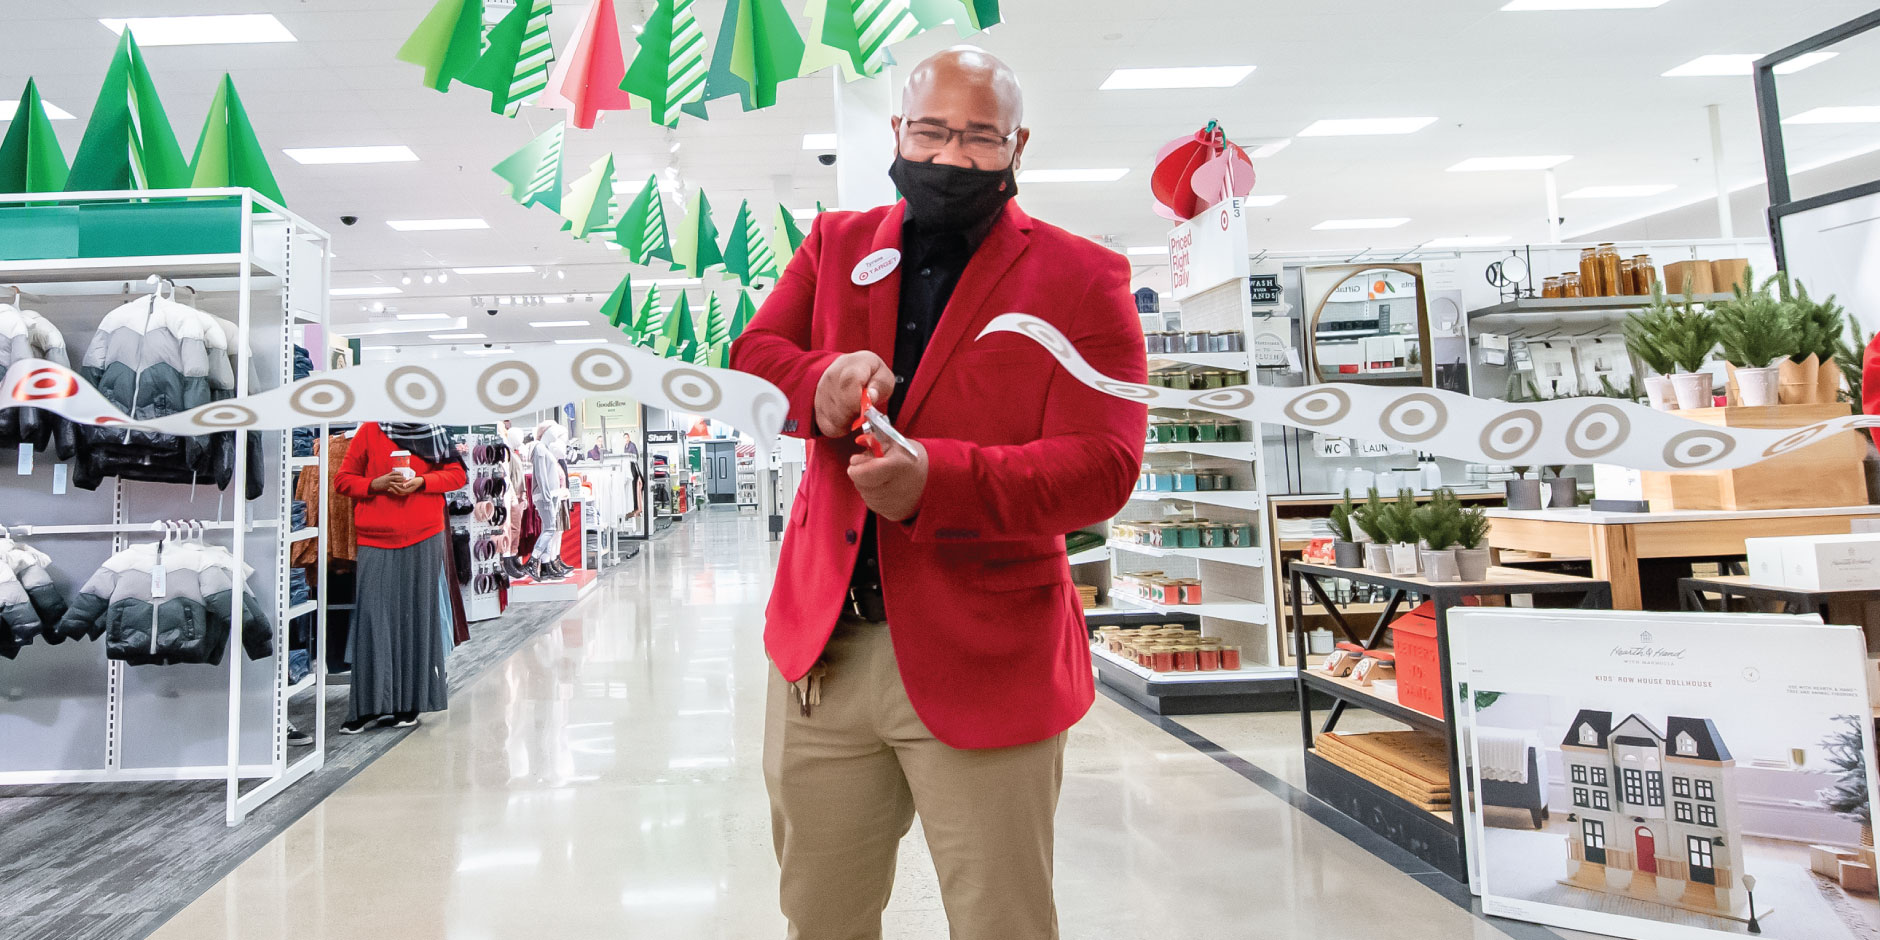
x: 397, y: 646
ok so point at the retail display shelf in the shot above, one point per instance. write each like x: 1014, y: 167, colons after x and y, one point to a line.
x: 1374, y: 375
x: 1254, y: 688
x: 301, y: 535
x: 1230, y: 499
x: 1217, y: 360
x: 1218, y: 675
x: 307, y: 461
x: 302, y: 609
x: 1579, y: 305
x: 1242, y: 611
x: 1312, y: 499
x: 574, y: 587
x: 306, y: 682
x: 1237, y: 450
x: 175, y: 267
x: 1251, y: 556
x: 1380, y: 697
x: 1089, y: 555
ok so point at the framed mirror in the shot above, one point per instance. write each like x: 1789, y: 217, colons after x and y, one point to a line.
x: 1367, y: 323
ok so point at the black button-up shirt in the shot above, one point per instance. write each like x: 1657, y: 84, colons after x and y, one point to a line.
x: 931, y: 264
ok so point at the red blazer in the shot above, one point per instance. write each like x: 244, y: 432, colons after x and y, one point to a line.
x: 384, y: 520
x: 988, y: 631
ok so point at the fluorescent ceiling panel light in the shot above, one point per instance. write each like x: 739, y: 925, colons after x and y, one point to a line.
x: 1253, y: 201
x: 579, y: 342
x: 1742, y: 64
x: 424, y: 316
x: 1336, y: 224
x: 1466, y: 241
x: 497, y: 269
x: 1355, y: 127
x: 458, y: 336
x: 322, y: 156
x: 202, y: 30
x: 1199, y: 76
x: 364, y: 291
x: 1517, y: 6
x: 436, y: 225
x: 1860, y: 114
x: 1619, y: 192
x: 553, y: 324
x: 1492, y: 164
x: 1148, y: 250
x: 1110, y: 175
x: 819, y: 141
x: 1266, y: 150
x: 53, y: 111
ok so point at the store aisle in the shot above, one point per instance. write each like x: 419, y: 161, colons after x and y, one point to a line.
x: 606, y: 782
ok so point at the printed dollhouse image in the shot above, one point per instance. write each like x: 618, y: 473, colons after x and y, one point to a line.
x: 1654, y: 812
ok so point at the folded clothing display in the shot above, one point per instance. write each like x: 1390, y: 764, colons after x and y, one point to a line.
x: 180, y: 615
x: 30, y: 604
x: 27, y: 335
x: 303, y: 436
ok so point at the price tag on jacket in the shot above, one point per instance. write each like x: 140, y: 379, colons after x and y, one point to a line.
x: 159, y: 584
x: 59, y: 473
x: 26, y: 460
x: 876, y: 266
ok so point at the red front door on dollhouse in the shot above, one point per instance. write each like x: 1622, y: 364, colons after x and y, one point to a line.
x: 1647, y: 851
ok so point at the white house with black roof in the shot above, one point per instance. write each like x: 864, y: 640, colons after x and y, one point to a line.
x: 1653, y: 814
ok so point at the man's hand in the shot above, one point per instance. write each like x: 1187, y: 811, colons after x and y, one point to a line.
x: 891, y: 484
x: 839, y: 391
x: 384, y: 483
x: 407, y: 487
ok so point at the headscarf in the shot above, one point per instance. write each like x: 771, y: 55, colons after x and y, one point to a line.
x: 427, y: 441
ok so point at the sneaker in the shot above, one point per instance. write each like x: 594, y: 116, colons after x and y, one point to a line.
x: 358, y: 724
x: 403, y: 720
x: 297, y: 737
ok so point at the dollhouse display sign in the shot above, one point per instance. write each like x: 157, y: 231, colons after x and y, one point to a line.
x: 1668, y: 776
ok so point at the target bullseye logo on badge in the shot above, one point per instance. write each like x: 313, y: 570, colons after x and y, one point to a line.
x: 45, y: 385
x: 876, y: 266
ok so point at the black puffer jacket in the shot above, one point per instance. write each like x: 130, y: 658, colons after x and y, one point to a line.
x: 30, y: 604
x: 188, y: 624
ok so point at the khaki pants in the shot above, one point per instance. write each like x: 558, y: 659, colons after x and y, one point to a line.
x: 846, y: 780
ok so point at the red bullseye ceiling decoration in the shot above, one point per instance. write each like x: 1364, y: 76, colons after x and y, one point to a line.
x: 1197, y: 171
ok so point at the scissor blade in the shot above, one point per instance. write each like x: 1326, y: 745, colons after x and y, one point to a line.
x: 879, y: 426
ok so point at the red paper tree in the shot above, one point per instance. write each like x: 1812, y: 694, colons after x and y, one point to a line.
x: 586, y: 80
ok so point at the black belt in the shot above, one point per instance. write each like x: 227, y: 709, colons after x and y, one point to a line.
x: 865, y: 603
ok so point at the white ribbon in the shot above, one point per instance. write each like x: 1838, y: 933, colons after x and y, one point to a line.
x: 1562, y: 431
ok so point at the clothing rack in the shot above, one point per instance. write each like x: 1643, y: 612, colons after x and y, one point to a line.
x: 481, y: 604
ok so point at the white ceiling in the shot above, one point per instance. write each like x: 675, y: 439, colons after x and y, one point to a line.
x: 1579, y: 83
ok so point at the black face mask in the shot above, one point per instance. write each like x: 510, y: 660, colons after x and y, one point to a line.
x: 945, y: 198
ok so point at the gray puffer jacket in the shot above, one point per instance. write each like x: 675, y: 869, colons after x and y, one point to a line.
x: 30, y: 604
x: 188, y: 624
x: 27, y: 335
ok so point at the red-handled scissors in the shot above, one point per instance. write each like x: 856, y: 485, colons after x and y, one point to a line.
x: 877, y: 428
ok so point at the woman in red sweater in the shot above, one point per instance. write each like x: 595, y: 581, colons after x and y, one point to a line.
x: 397, y: 642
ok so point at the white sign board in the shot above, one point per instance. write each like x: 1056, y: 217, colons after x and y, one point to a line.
x: 1208, y: 250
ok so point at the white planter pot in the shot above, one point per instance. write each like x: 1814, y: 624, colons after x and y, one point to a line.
x: 1377, y: 557
x: 1319, y: 642
x: 1439, y: 565
x: 1658, y: 392
x: 1403, y: 558
x: 1693, y: 390
x: 1759, y: 386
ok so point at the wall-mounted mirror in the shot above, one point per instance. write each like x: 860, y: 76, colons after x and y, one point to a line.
x: 1367, y: 323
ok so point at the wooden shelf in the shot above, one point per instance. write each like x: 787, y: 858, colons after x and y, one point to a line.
x: 1443, y: 817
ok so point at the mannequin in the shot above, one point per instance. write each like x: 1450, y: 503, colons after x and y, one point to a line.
x: 514, y: 468
x: 551, y: 500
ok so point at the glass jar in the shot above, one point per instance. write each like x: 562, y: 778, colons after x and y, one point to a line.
x: 1644, y: 274
x: 1550, y: 287
x: 1628, y: 276
x: 1570, y: 284
x: 1609, y: 283
x: 1589, y: 273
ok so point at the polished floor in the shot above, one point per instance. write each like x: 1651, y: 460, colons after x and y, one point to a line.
x: 606, y: 782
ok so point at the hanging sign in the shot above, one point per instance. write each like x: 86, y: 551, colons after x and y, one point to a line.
x: 1208, y: 250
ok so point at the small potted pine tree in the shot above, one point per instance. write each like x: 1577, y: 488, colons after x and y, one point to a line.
x: 1645, y: 333
x: 1756, y: 330
x: 1691, y: 338
x: 1400, y: 528
x: 1346, y: 550
x: 1472, y: 553
x: 1370, y: 519
x: 1439, y: 525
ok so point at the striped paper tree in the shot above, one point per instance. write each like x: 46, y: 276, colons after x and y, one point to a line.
x: 514, y: 68
x: 785, y: 237
x: 590, y: 203
x: 748, y: 253
x: 648, y: 320
x: 30, y: 158
x: 697, y: 247
x: 717, y: 327
x: 128, y: 143
x: 747, y: 310
x: 227, y: 153
x: 642, y: 230
x: 669, y: 70
x: 863, y: 29
x: 678, y: 339
x: 534, y: 173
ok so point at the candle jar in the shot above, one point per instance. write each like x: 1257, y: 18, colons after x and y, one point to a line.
x: 1589, y: 273
x: 1628, y: 276
x: 1162, y: 660
x: 1644, y: 275
x: 1550, y: 287
x: 1185, y: 658
x: 1570, y: 284
x: 1230, y: 658
x: 1208, y: 659
x: 1609, y: 272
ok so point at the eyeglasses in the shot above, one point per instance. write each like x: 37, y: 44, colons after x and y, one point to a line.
x: 933, y: 137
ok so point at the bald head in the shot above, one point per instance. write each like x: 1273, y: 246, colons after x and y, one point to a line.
x: 966, y: 90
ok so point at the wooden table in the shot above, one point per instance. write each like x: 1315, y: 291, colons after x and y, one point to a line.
x: 1615, y: 541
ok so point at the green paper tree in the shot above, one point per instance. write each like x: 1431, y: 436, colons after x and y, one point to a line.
x: 785, y: 236
x: 534, y: 173
x: 816, y: 55
x: 717, y: 328
x: 748, y: 253
x: 863, y: 29
x: 128, y: 143
x: 678, y: 339
x: 227, y: 153
x: 618, y: 308
x: 514, y: 67
x: 642, y: 230
x: 758, y: 49
x: 967, y: 16
x: 669, y: 70
x: 719, y: 356
x: 30, y: 158
x: 747, y: 310
x: 697, y: 247
x: 590, y: 202
x: 447, y: 43
x: 647, y: 322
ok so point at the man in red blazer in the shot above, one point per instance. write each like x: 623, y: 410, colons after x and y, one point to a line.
x: 929, y: 647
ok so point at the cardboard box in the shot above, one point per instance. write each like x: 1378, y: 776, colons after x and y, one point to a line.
x: 1816, y: 562
x: 1726, y: 272
x: 1698, y: 272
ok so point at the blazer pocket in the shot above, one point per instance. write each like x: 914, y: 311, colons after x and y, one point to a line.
x: 799, y: 510
x: 1023, y: 573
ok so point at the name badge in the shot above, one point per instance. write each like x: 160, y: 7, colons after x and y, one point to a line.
x: 876, y: 266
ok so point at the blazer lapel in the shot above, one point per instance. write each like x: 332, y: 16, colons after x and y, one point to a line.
x: 964, y: 310
x: 884, y: 296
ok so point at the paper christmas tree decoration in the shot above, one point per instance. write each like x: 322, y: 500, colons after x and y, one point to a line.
x: 719, y: 356
x: 785, y: 237
x: 697, y: 247
x: 514, y: 68
x: 717, y: 327
x: 590, y: 202
x: 128, y: 143
x: 618, y: 308
x: 447, y: 42
x: 758, y: 49
x: 748, y: 253
x: 30, y: 158
x: 647, y: 322
x: 745, y: 312
x: 227, y: 153
x: 669, y: 70
x: 642, y: 230
x: 863, y: 29
x: 967, y: 16
x: 534, y: 173
x: 678, y: 340
x: 983, y: 14
x: 586, y: 79
x: 816, y: 55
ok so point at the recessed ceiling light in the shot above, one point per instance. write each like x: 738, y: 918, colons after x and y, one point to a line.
x: 1199, y: 76
x: 53, y: 111
x: 1261, y: 200
x: 363, y: 291
x: 1266, y: 150
x: 819, y: 141
x: 579, y: 342
x: 498, y: 269
x: 1353, y: 127
x: 202, y: 30
x: 458, y: 336
x: 424, y: 316
x: 1491, y: 164
x: 436, y: 225
x: 1619, y: 192
x: 1073, y: 176
x: 1853, y: 114
x: 1466, y: 241
x: 1743, y: 64
x: 552, y: 324
x: 1516, y: 6
x: 320, y: 156
x: 1148, y: 250
x: 1334, y: 224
